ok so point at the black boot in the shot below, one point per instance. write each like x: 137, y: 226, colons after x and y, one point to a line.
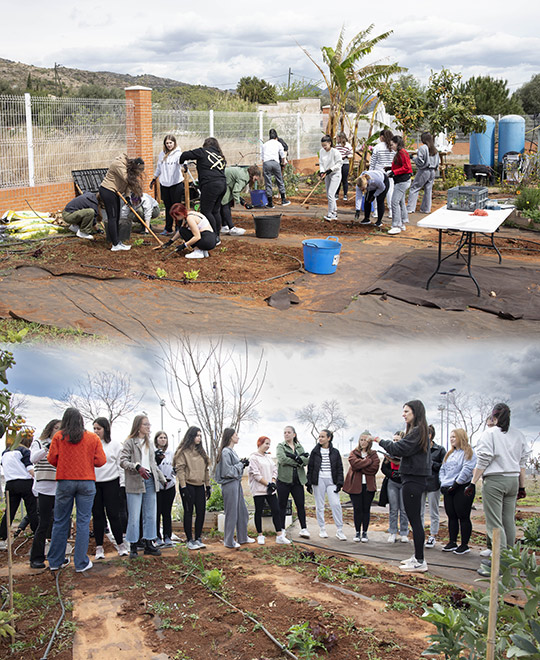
x: 132, y: 550
x: 357, y: 215
x: 150, y: 548
x: 270, y: 203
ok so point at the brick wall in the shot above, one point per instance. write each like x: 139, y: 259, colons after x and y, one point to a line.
x: 47, y: 198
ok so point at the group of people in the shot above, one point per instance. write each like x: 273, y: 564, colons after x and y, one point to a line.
x: 131, y: 486
x: 389, y: 176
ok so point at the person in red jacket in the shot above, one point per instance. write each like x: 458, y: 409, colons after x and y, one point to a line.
x: 360, y: 483
x: 401, y: 173
x: 74, y: 453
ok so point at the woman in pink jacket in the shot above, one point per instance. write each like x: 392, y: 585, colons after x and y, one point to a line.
x: 361, y: 485
x: 262, y: 474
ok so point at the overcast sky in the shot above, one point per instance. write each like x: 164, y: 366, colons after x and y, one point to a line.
x: 212, y: 42
x: 371, y: 382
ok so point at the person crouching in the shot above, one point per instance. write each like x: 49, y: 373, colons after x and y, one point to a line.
x: 195, y: 230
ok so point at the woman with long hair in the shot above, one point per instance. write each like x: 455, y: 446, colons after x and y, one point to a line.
x: 401, y: 170
x: 291, y: 477
x: 398, y: 523
x: 381, y: 158
x: 107, y: 499
x: 415, y: 467
x: 229, y: 470
x: 211, y: 171
x: 169, y: 172
x: 330, y: 163
x: 262, y: 474
x: 455, y: 475
x: 502, y: 454
x: 143, y: 478
x: 124, y: 175
x: 191, y: 463
x: 360, y: 483
x: 325, y: 480
x: 165, y: 495
x: 238, y: 179
x: 75, y: 453
x: 346, y: 153
x: 198, y: 237
x: 45, y: 487
x: 427, y: 163
x: 373, y: 185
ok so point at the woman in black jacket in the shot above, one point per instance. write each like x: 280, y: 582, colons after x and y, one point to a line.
x: 325, y: 478
x: 212, y: 183
x: 415, y: 467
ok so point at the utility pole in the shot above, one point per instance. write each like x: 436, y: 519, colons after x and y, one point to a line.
x: 289, y: 79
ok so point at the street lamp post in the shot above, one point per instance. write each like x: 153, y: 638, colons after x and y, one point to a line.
x: 162, y: 403
x: 441, y: 409
x: 447, y: 395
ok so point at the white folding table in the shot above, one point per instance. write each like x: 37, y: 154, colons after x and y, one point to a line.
x: 468, y: 224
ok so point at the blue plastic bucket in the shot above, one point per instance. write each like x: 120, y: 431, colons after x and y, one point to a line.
x: 258, y: 198
x: 321, y: 255
x: 363, y: 203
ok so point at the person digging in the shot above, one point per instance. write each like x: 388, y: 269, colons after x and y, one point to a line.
x: 198, y: 237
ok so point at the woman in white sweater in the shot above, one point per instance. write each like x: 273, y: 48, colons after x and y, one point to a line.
x: 262, y: 475
x: 169, y: 171
x: 330, y: 163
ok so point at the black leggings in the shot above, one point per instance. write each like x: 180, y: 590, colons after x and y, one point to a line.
x: 362, y: 508
x: 370, y: 197
x: 171, y: 195
x: 272, y: 500
x: 344, y: 179
x: 112, y: 206
x: 211, y: 196
x: 107, y: 499
x: 196, y: 498
x: 458, y: 509
x: 207, y: 241
x: 165, y: 499
x: 297, y: 491
x: 44, y: 528
x: 412, y: 501
x: 20, y: 489
x: 226, y: 215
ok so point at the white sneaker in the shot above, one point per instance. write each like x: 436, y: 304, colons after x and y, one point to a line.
x: 260, y: 539
x: 345, y: 198
x: 403, y: 227
x: 394, y: 230
x: 237, y: 231
x: 3, y: 545
x: 86, y: 568
x: 225, y: 230
x: 81, y: 234
x: 410, y: 560
x: 199, y: 543
x: 192, y: 545
x: 391, y: 538
x: 283, y: 539
x: 100, y: 554
x: 74, y: 228
x: 364, y: 538
x: 415, y: 567
x: 304, y: 533
x: 404, y: 539
x: 323, y: 534
x: 196, y: 254
x: 430, y: 543
x: 250, y: 540
x: 340, y: 535
x: 120, y: 246
x: 123, y: 549
x: 485, y: 553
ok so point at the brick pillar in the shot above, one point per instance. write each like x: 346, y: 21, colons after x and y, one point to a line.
x: 139, y: 129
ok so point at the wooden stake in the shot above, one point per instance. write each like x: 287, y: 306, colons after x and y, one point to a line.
x: 186, y: 188
x: 140, y: 219
x: 493, y: 592
x: 311, y: 193
x: 9, y: 551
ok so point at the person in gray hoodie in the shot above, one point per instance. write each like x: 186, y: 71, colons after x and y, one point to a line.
x: 427, y: 164
x: 415, y: 468
x: 433, y: 492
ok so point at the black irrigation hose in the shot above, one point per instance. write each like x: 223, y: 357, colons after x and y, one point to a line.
x: 49, y: 645
x: 282, y: 648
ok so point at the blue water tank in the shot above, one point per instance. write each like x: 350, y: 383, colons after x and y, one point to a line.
x: 482, y: 145
x: 511, y: 135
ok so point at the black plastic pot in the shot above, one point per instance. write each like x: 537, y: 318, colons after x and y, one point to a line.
x: 267, y: 226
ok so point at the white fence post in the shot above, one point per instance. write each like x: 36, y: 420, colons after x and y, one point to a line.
x: 261, y: 132
x: 29, y: 139
x: 298, y: 134
x: 211, y: 121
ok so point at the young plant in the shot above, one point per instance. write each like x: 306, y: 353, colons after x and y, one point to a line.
x: 191, y: 275
x: 138, y: 242
x: 215, y: 501
x: 300, y: 637
x: 160, y: 272
x: 213, y: 579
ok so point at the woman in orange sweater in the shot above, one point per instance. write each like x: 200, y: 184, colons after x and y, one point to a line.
x: 74, y: 453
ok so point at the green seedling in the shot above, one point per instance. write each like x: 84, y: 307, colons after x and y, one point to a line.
x: 160, y: 272
x: 138, y: 242
x: 191, y: 275
x: 213, y: 579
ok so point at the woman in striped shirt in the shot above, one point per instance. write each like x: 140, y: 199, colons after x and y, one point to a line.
x: 382, y: 157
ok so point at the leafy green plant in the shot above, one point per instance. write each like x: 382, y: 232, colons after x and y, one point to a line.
x: 6, y: 619
x: 291, y: 179
x: 215, y: 501
x: 213, y: 579
x: 12, y: 336
x: 455, y: 176
x: 326, y: 573
x: 528, y: 199
x: 300, y: 637
x: 533, y: 214
x: 531, y: 532
x: 160, y: 272
x: 191, y: 275
x: 137, y: 242
x: 463, y: 633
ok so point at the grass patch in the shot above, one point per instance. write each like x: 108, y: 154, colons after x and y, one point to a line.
x: 14, y: 331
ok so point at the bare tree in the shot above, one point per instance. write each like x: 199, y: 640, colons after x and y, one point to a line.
x: 326, y: 416
x: 108, y: 391
x: 216, y: 386
x: 470, y: 411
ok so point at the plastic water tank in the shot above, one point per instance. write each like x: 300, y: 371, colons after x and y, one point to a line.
x: 511, y: 135
x: 482, y: 145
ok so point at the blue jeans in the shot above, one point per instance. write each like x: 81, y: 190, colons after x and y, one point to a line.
x: 67, y: 492
x: 395, y: 501
x: 147, y: 503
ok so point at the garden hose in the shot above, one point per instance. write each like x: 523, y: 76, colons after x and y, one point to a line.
x: 49, y: 645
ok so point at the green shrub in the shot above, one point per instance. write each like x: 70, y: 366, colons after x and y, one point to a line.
x: 528, y: 199
x: 215, y: 501
x: 455, y: 176
x: 531, y: 532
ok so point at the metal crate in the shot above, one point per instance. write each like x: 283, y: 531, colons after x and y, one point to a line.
x: 467, y: 198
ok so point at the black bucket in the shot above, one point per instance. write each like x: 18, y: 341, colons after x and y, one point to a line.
x: 267, y: 226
